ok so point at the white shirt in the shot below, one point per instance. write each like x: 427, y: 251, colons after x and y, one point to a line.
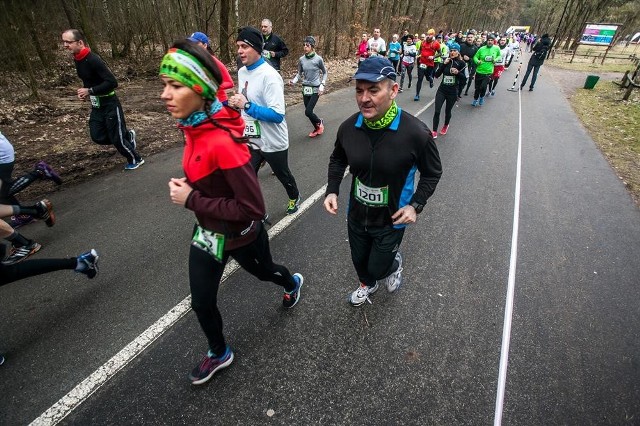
x: 409, y: 48
x: 263, y: 86
x: 376, y: 46
x: 6, y: 150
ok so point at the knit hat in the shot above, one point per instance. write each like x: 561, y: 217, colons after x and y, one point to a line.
x: 251, y: 36
x: 431, y: 31
x: 310, y: 40
x: 454, y: 46
x: 375, y: 69
x: 199, y: 37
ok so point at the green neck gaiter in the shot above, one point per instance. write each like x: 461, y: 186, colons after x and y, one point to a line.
x: 386, y: 119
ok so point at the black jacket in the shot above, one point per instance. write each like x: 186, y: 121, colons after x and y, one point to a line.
x: 540, y: 50
x: 95, y: 75
x: 387, y: 158
x: 468, y: 50
x: 274, y: 43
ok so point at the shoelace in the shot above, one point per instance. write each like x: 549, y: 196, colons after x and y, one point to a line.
x: 363, y: 292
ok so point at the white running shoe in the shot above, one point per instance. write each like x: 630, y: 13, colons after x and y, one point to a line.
x: 394, y: 281
x: 362, y: 294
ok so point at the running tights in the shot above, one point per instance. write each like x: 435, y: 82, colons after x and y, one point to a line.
x: 441, y: 98
x: 406, y: 69
x: 279, y: 162
x: 482, y: 81
x: 309, y: 105
x: 32, y: 267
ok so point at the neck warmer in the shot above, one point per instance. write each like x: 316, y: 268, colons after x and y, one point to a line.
x: 386, y: 119
x: 310, y: 55
x: 82, y: 54
x: 198, y: 117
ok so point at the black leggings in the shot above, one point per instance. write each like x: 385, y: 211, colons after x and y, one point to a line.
x: 428, y: 74
x: 309, y: 105
x: 493, y: 83
x: 107, y: 127
x: 440, y: 100
x: 531, y: 67
x: 204, y: 279
x: 482, y: 80
x: 408, y: 69
x: 472, y: 73
x: 373, y: 251
x: 9, y: 187
x: 279, y: 162
x: 31, y: 267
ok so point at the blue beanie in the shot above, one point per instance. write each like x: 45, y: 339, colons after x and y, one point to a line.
x: 454, y: 46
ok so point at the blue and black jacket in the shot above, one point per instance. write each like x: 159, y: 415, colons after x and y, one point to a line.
x: 389, y: 157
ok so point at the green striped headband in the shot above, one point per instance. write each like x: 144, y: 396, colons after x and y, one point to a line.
x: 185, y: 68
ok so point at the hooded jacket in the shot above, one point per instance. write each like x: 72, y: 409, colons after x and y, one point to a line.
x: 540, y: 50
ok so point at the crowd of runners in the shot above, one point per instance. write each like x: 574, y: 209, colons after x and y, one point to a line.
x: 231, y: 131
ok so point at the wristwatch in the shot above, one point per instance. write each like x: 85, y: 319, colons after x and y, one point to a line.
x: 417, y: 207
x: 247, y: 105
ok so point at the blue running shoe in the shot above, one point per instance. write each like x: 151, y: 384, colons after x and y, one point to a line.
x: 416, y: 98
x: 133, y: 166
x: 290, y: 298
x: 88, y: 263
x: 474, y: 103
x: 209, y: 365
x: 481, y: 101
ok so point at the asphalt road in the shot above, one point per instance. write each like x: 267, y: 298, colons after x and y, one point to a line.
x: 428, y: 354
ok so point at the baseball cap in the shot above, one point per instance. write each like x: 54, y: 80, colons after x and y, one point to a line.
x: 199, y: 37
x: 375, y: 69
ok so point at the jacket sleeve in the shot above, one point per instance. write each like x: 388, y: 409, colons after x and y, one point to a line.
x: 430, y: 169
x: 284, y: 50
x: 109, y: 82
x: 337, y: 165
x: 247, y: 202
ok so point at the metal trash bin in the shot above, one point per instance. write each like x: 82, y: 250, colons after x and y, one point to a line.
x: 591, y: 81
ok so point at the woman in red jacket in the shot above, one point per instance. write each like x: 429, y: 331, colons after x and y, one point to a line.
x: 222, y: 190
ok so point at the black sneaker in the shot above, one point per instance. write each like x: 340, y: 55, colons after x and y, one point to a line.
x: 18, y: 254
x: 209, y: 365
x: 46, y: 212
x: 290, y: 298
x: 88, y: 263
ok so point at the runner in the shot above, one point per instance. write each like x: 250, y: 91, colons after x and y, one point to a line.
x: 408, y: 60
x: 484, y: 59
x: 273, y: 48
x: 395, y: 50
x: 514, y: 45
x: 429, y: 50
x: 498, y: 69
x: 363, y: 49
x: 383, y: 147
x: 444, y: 53
x: 314, y: 76
x: 453, y: 77
x: 106, y: 124
x: 467, y: 50
x: 227, y: 82
x: 376, y: 44
x: 260, y: 97
x: 536, y: 60
x: 22, y: 247
x: 222, y: 190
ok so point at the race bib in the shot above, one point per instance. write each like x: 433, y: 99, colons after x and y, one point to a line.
x: 372, y: 197
x: 488, y: 58
x: 307, y: 90
x: 211, y: 242
x: 449, y: 80
x: 252, y: 128
x: 95, y: 101
x: 423, y: 66
x: 266, y: 54
x: 392, y: 54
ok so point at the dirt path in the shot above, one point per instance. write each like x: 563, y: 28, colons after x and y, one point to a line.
x: 569, y: 80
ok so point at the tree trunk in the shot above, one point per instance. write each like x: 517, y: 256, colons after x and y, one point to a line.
x: 225, y: 5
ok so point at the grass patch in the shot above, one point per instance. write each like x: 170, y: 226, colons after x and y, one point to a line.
x: 615, y: 127
x: 587, y: 66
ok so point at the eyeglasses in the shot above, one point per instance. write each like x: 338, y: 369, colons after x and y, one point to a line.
x: 307, y: 45
x: 69, y: 41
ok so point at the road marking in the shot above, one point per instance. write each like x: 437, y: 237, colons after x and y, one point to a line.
x: 91, y: 384
x: 423, y: 109
x: 508, y: 308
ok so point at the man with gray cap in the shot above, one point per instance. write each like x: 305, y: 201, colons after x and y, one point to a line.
x: 260, y: 97
x: 314, y: 76
x: 383, y: 146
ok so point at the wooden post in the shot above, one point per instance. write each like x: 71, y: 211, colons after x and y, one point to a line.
x: 605, y: 54
x: 574, y: 54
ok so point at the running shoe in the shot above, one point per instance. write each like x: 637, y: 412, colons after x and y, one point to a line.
x: 493, y: 93
x: 474, y: 103
x: 409, y: 86
x: 293, y: 205
x: 133, y: 166
x: 394, y: 281
x: 362, y: 294
x: 46, y: 172
x: 313, y: 133
x: 400, y: 90
x: 88, y: 263
x: 20, y: 220
x: 444, y: 129
x: 132, y: 138
x: 46, y: 212
x: 320, y: 129
x: 209, y: 365
x: 290, y: 298
x: 434, y: 134
x: 481, y: 101
x: 416, y: 98
x: 18, y: 254
x: 531, y: 89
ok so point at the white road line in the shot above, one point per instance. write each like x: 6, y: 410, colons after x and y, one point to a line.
x: 424, y: 108
x: 88, y: 386
x: 508, y: 308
